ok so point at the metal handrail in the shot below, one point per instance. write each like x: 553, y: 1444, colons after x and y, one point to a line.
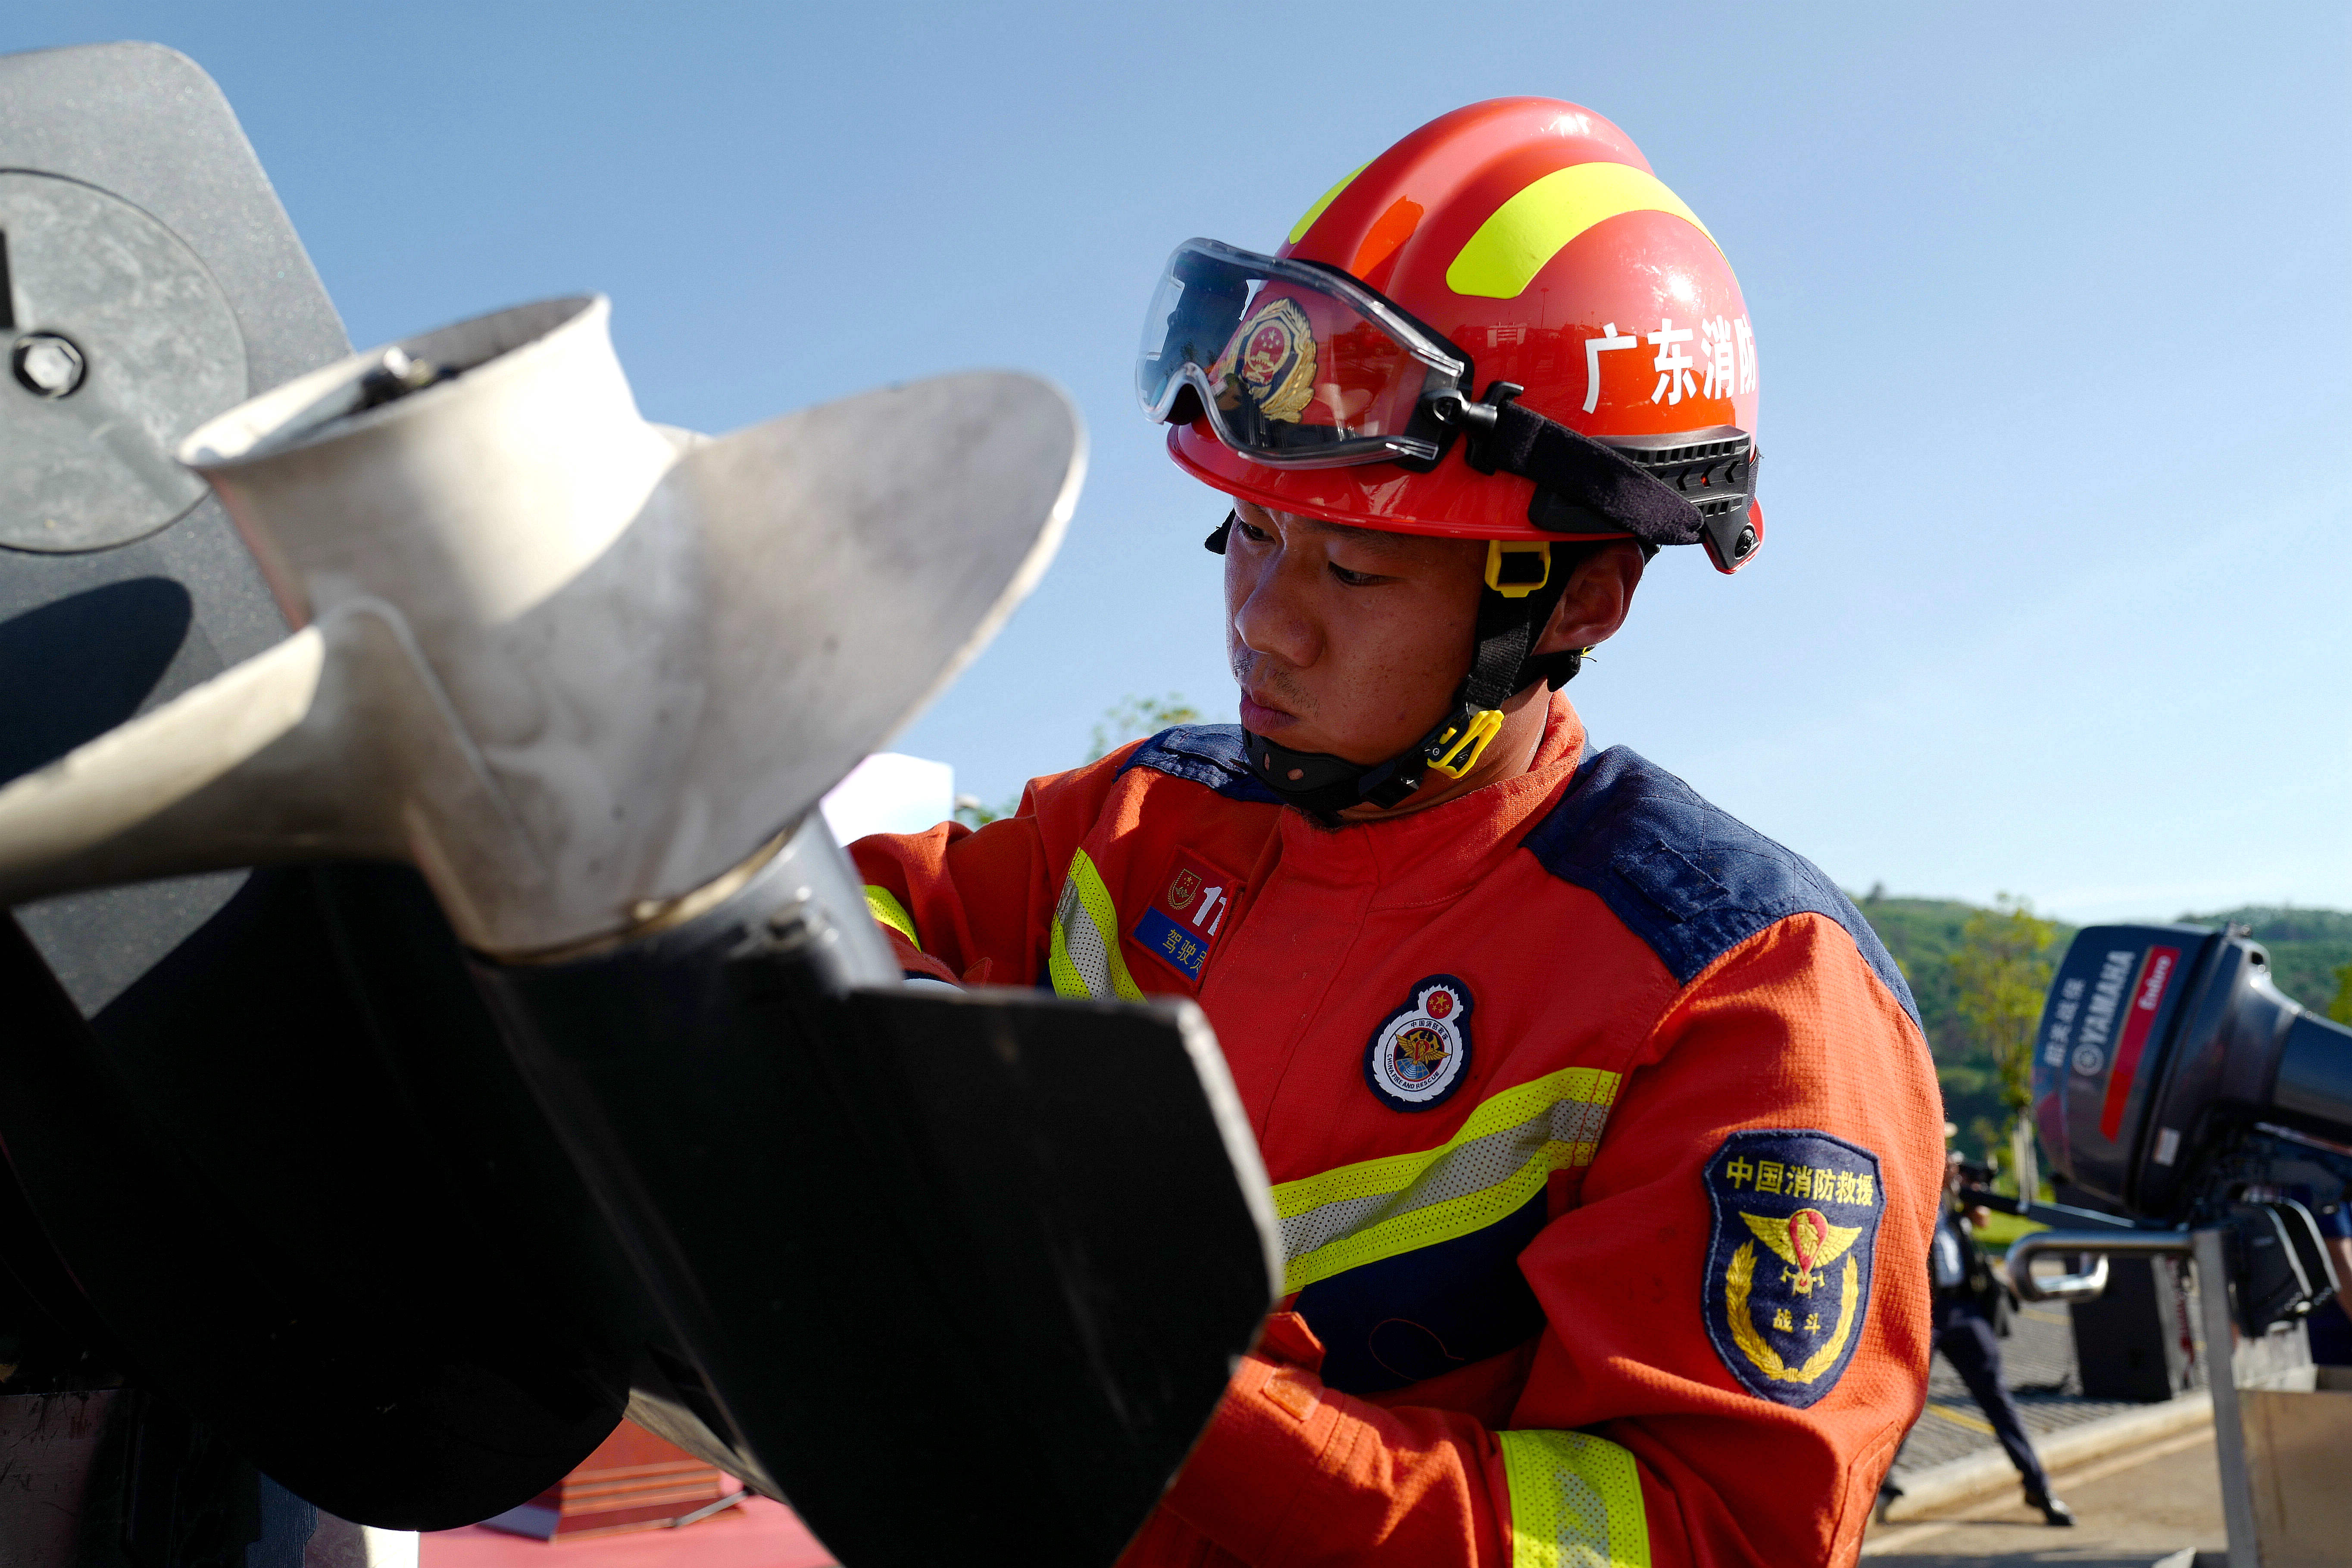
x: 2088, y: 1284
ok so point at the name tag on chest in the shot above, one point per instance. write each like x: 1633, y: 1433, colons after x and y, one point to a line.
x: 1187, y: 912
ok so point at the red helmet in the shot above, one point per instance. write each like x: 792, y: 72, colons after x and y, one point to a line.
x: 1522, y: 243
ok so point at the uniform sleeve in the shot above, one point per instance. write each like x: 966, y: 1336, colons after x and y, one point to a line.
x: 1632, y: 1441
x: 973, y: 907
x: 1295, y: 1473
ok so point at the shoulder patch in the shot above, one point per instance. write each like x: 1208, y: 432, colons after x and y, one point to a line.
x: 1685, y: 876
x: 1208, y: 754
x: 1789, y: 1258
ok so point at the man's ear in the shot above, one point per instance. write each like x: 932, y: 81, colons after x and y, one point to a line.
x: 1597, y: 599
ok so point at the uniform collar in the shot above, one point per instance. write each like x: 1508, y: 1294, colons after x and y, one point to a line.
x: 1431, y: 855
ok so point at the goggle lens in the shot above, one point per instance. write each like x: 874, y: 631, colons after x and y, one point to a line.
x: 1288, y: 364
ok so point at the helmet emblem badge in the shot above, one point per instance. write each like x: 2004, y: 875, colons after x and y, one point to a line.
x: 1273, y: 355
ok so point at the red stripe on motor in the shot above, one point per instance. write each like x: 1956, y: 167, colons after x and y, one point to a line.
x: 2147, y: 994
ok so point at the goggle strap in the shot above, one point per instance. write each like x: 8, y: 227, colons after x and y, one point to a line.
x: 1593, y: 474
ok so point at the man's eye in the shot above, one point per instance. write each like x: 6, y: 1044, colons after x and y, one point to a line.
x: 1352, y: 578
x: 1254, y: 534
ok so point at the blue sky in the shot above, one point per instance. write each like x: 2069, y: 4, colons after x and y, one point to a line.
x: 2051, y: 302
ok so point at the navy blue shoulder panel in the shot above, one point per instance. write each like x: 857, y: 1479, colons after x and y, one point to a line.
x: 1685, y: 876
x: 1207, y: 754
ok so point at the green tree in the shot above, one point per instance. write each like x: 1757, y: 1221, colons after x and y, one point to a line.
x: 1138, y: 716
x: 2000, y: 974
x: 2340, y: 1009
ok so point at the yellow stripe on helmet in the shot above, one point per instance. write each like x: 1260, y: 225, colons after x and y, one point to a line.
x: 1324, y: 199
x: 1525, y: 232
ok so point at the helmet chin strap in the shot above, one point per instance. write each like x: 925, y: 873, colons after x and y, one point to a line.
x: 1512, y: 611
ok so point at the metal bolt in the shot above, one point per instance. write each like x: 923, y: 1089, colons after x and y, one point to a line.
x: 48, y: 365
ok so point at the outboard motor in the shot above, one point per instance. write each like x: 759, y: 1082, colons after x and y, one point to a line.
x: 2172, y: 1080
x: 551, y: 1067
x: 2162, y: 1046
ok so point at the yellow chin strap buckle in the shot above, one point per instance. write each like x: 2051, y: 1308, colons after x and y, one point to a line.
x: 1517, y: 567
x: 1464, y: 743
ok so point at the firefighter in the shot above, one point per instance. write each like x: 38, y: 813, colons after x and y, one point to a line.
x: 1591, y: 1114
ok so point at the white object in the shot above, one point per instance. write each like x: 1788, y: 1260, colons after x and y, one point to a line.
x: 890, y: 792
x: 339, y: 1543
x: 390, y: 1547
x: 575, y: 669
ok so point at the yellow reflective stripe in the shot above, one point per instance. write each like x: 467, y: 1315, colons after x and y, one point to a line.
x: 1064, y: 974
x: 1576, y: 1502
x: 1082, y: 946
x: 1328, y: 197
x: 1506, y: 1148
x: 887, y: 909
x: 1394, y: 1172
x: 1522, y: 234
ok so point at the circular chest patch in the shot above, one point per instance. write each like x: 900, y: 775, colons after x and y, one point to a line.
x: 1418, y: 1056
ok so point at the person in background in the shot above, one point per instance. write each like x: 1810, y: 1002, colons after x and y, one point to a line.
x: 1972, y: 1313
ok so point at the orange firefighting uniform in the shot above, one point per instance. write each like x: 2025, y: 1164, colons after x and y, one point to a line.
x: 1489, y: 1051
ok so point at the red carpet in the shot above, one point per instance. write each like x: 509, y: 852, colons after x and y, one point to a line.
x: 752, y: 1534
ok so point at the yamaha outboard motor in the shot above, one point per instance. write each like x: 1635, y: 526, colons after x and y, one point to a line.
x: 2163, y: 1048
x: 551, y: 1067
x: 2173, y: 1079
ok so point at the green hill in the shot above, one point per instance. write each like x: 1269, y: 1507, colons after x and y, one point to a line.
x: 2306, y: 945
x: 1923, y: 934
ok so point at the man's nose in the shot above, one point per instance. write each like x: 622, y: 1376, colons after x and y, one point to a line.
x: 1273, y: 618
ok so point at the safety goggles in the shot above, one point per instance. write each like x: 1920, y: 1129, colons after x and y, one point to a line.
x: 1294, y: 364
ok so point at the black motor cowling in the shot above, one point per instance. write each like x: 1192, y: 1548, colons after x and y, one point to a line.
x: 2159, y: 1044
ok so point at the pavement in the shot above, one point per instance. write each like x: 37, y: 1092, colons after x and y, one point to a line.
x: 2158, y: 1504
x: 2141, y: 1478
x: 2038, y: 1362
